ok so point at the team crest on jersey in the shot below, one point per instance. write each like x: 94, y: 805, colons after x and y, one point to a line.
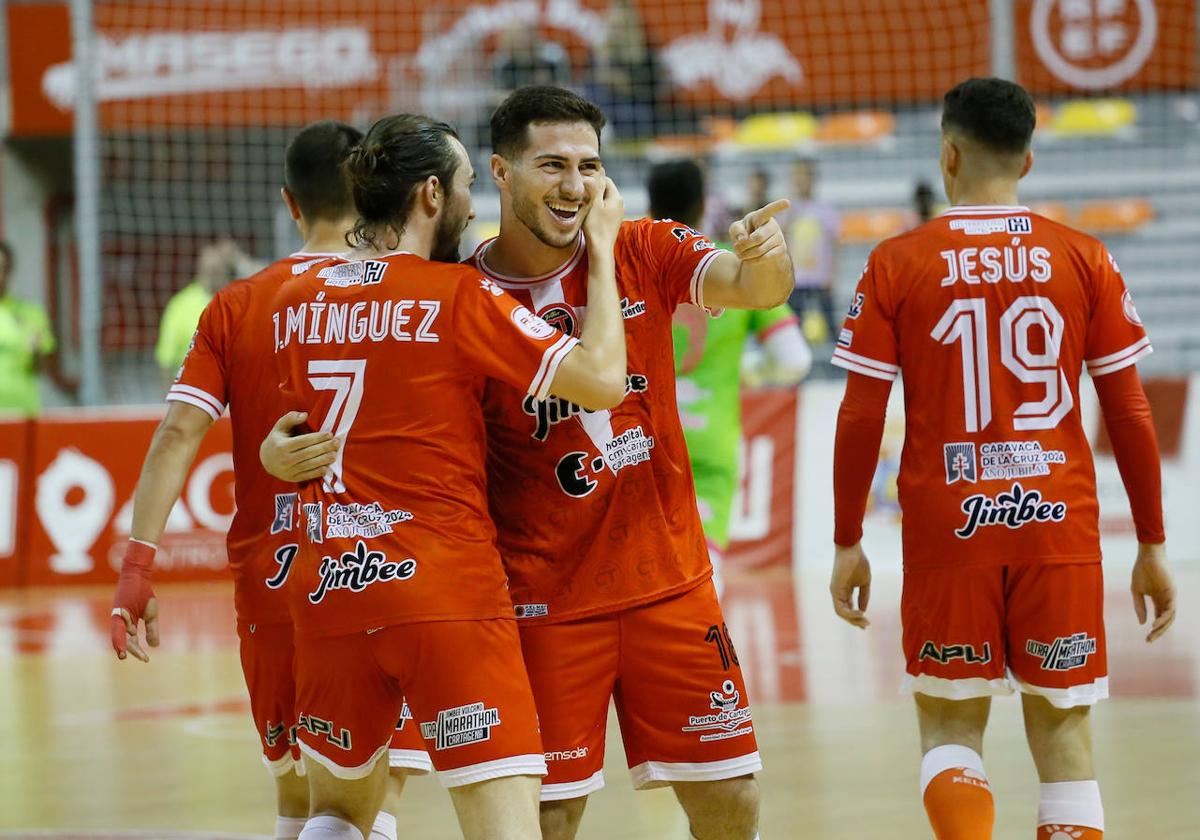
x: 285, y: 512
x: 562, y: 317
x: 313, y: 526
x: 1127, y: 307
x: 1013, y: 508
x: 461, y: 726
x: 945, y: 654
x: 356, y: 570
x: 727, y: 717
x: 961, y: 464
x: 1063, y: 654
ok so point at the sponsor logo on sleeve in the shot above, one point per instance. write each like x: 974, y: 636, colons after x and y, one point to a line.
x: 368, y: 521
x: 356, y: 570
x: 946, y: 654
x: 845, y: 338
x: 1064, y: 653
x: 531, y: 325
x: 703, y: 245
x: 460, y: 726
x: 960, y: 462
x: 1129, y: 310
x: 856, y: 305
x: 1013, y: 508
x: 728, y: 718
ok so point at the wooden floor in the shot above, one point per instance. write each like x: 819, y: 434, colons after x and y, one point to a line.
x: 93, y: 747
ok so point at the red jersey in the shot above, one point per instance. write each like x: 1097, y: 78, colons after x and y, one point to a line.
x: 596, y: 509
x: 989, y: 314
x: 228, y: 364
x: 391, y: 355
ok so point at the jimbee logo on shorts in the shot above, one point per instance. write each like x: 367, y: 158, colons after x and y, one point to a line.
x: 1014, y: 508
x: 1063, y: 654
x: 461, y: 726
x: 358, y: 569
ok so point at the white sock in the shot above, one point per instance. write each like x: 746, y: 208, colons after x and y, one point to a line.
x: 948, y: 757
x: 329, y: 828
x: 289, y: 828
x: 1071, y: 803
x: 384, y: 827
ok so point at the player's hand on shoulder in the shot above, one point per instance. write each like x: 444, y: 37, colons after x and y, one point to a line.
x: 134, y: 603
x: 295, y: 458
x: 1152, y: 579
x: 758, y: 235
x: 606, y: 211
x: 851, y: 571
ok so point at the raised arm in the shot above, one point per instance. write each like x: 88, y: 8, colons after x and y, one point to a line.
x: 759, y: 273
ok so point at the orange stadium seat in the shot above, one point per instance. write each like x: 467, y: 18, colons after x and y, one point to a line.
x: 1123, y: 215
x: 875, y: 224
x: 776, y: 131
x: 1054, y: 210
x: 856, y: 127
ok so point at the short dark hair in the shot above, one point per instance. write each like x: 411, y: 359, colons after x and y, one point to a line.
x: 676, y: 189
x: 538, y: 103
x: 313, y: 169
x: 7, y: 250
x: 385, y: 171
x: 996, y: 113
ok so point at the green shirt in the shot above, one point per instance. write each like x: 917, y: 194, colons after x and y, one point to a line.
x: 24, y: 336
x: 178, y: 325
x: 708, y: 362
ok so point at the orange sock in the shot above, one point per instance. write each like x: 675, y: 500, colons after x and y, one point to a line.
x: 1068, y: 832
x: 958, y: 798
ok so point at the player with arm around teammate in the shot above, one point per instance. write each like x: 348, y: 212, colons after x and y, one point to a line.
x: 1002, y: 580
x: 229, y: 365
x: 398, y: 591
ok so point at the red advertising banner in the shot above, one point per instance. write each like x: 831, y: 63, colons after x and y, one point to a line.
x: 14, y: 465
x: 762, y: 528
x: 85, y: 467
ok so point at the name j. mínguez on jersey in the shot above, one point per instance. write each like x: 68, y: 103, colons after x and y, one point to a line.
x: 331, y: 322
x: 358, y: 569
x: 1014, y: 508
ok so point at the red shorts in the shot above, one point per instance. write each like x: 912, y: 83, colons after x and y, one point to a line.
x: 674, y: 675
x: 466, y: 690
x: 976, y: 632
x: 267, y: 653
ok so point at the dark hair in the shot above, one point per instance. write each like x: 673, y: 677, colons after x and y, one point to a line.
x: 676, y: 191
x: 7, y: 250
x: 538, y: 103
x: 313, y: 169
x: 996, y: 113
x: 387, y: 169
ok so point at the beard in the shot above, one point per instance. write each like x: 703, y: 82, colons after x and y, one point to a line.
x: 529, y: 213
x: 447, y: 238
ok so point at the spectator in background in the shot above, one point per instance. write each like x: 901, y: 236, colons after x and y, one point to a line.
x: 219, y: 263
x: 812, y: 229
x: 623, y: 75
x: 708, y: 364
x: 756, y: 190
x: 924, y: 202
x: 522, y: 58
x: 25, y: 339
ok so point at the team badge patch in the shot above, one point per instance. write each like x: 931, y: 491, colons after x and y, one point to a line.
x: 961, y: 464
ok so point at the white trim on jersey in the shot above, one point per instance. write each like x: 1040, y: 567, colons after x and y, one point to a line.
x: 539, y: 388
x: 652, y: 774
x: 1121, y: 359
x: 1088, y: 694
x: 986, y: 210
x: 415, y: 761
x: 533, y: 764
x: 696, y: 287
x: 573, y: 790
x: 864, y: 365
x: 964, y: 689
x: 194, y: 396
x: 507, y: 282
x: 348, y: 773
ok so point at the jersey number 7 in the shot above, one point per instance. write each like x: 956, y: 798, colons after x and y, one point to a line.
x: 345, y: 378
x: 966, y: 321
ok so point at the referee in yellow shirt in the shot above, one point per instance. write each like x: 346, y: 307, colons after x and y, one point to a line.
x: 25, y: 339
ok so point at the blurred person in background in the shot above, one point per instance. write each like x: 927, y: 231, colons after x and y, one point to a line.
x: 924, y: 203
x: 623, y: 77
x: 708, y: 365
x: 219, y: 264
x: 523, y: 58
x: 25, y: 340
x: 812, y: 229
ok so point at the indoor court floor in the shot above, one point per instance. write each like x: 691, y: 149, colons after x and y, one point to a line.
x: 94, y: 747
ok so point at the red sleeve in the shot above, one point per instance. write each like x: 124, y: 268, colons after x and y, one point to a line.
x: 201, y: 381
x: 856, y: 452
x: 867, y: 343
x: 1116, y: 338
x: 682, y: 257
x: 1135, y: 448
x: 499, y: 337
